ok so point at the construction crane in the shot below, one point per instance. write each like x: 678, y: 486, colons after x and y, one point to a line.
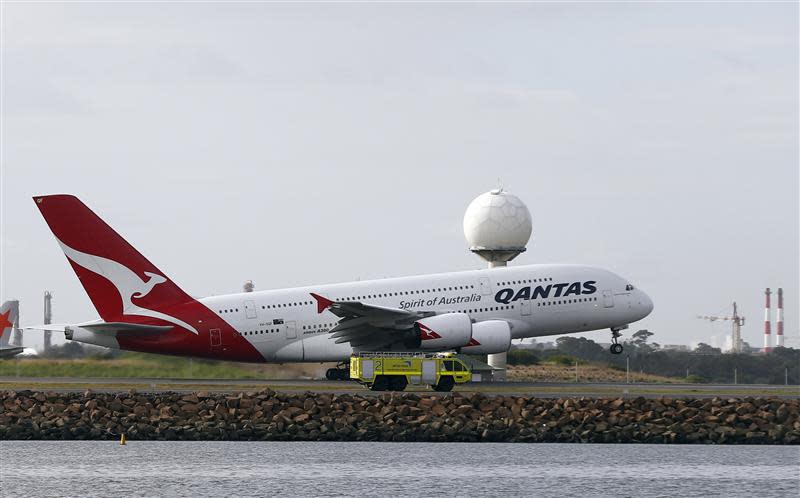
x: 736, y: 322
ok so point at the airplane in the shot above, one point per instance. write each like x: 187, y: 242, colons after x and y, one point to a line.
x: 469, y: 312
x: 8, y: 315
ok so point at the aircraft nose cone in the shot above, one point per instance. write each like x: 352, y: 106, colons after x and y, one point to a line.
x: 646, y: 304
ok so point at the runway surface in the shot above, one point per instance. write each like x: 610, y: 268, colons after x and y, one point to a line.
x: 543, y: 390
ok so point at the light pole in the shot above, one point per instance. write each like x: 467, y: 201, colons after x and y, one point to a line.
x: 628, y: 369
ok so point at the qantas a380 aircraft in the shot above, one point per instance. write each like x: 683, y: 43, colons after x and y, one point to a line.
x: 472, y: 312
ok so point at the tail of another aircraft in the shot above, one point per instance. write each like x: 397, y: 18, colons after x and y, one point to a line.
x: 9, y: 312
x: 117, y: 278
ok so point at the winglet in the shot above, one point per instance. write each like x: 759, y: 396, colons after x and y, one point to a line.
x: 323, y: 303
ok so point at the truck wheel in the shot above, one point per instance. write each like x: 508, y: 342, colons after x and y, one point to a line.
x: 342, y: 374
x: 331, y: 374
x: 381, y: 383
x: 445, y: 384
x: 398, y: 383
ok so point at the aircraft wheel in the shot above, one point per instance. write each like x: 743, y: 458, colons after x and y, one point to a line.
x: 381, y: 383
x: 342, y: 374
x: 398, y: 383
x: 445, y: 384
x: 332, y: 374
x: 616, y: 349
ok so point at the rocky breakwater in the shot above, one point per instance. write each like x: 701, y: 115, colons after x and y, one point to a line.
x: 269, y: 415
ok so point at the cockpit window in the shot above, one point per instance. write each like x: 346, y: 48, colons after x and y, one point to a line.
x: 629, y: 287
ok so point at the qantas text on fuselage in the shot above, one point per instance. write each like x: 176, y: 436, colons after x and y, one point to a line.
x: 476, y: 312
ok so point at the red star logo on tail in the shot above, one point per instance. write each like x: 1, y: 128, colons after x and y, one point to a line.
x: 4, y: 323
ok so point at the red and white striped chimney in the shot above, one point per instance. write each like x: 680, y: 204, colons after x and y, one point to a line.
x: 779, y: 321
x: 767, y: 325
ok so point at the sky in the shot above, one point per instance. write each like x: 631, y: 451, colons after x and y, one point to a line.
x: 294, y: 144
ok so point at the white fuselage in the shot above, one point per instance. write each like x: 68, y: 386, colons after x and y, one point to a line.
x: 284, y: 325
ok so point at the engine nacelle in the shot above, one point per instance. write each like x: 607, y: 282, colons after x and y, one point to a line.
x: 440, y: 332
x: 489, y: 337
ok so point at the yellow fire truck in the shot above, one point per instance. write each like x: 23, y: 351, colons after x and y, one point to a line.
x: 394, y: 371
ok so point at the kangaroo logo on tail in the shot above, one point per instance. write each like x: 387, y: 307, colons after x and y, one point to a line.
x: 127, y: 282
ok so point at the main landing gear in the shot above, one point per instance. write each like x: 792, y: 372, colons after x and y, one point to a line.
x: 341, y: 372
x: 616, y: 347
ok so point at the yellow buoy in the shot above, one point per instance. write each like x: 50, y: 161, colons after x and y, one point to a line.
x: 122, y: 439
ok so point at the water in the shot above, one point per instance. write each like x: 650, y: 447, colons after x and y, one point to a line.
x: 104, y: 468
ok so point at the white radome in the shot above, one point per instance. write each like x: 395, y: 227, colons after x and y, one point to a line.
x: 497, y: 220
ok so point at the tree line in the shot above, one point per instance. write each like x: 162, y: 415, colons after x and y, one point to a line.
x: 703, y: 365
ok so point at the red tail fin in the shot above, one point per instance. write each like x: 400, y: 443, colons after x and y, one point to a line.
x: 117, y: 278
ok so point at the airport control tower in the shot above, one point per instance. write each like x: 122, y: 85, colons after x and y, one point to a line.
x: 497, y: 226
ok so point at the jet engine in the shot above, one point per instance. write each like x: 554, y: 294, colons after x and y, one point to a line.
x: 489, y: 337
x: 440, y: 332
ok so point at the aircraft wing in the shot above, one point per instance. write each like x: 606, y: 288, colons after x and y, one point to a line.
x: 367, y: 325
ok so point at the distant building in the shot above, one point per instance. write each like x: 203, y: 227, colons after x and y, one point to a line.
x: 531, y: 344
x: 675, y: 347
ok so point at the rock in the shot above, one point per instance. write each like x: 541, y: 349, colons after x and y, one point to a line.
x: 267, y: 415
x: 189, y: 408
x: 782, y: 413
x: 462, y: 410
x: 191, y: 398
x: 617, y: 404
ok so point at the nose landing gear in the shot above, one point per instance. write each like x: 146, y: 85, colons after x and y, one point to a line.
x: 616, y: 347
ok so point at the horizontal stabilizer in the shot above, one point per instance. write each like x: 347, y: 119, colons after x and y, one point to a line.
x: 108, y: 328
x: 123, y: 328
x: 10, y: 352
x: 55, y: 327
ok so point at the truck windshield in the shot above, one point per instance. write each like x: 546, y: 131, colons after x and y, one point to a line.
x: 447, y: 365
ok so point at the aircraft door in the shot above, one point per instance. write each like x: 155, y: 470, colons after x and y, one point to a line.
x: 250, y: 309
x: 291, y: 330
x: 525, y: 307
x: 485, y: 286
x: 216, y: 339
x: 608, y: 299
